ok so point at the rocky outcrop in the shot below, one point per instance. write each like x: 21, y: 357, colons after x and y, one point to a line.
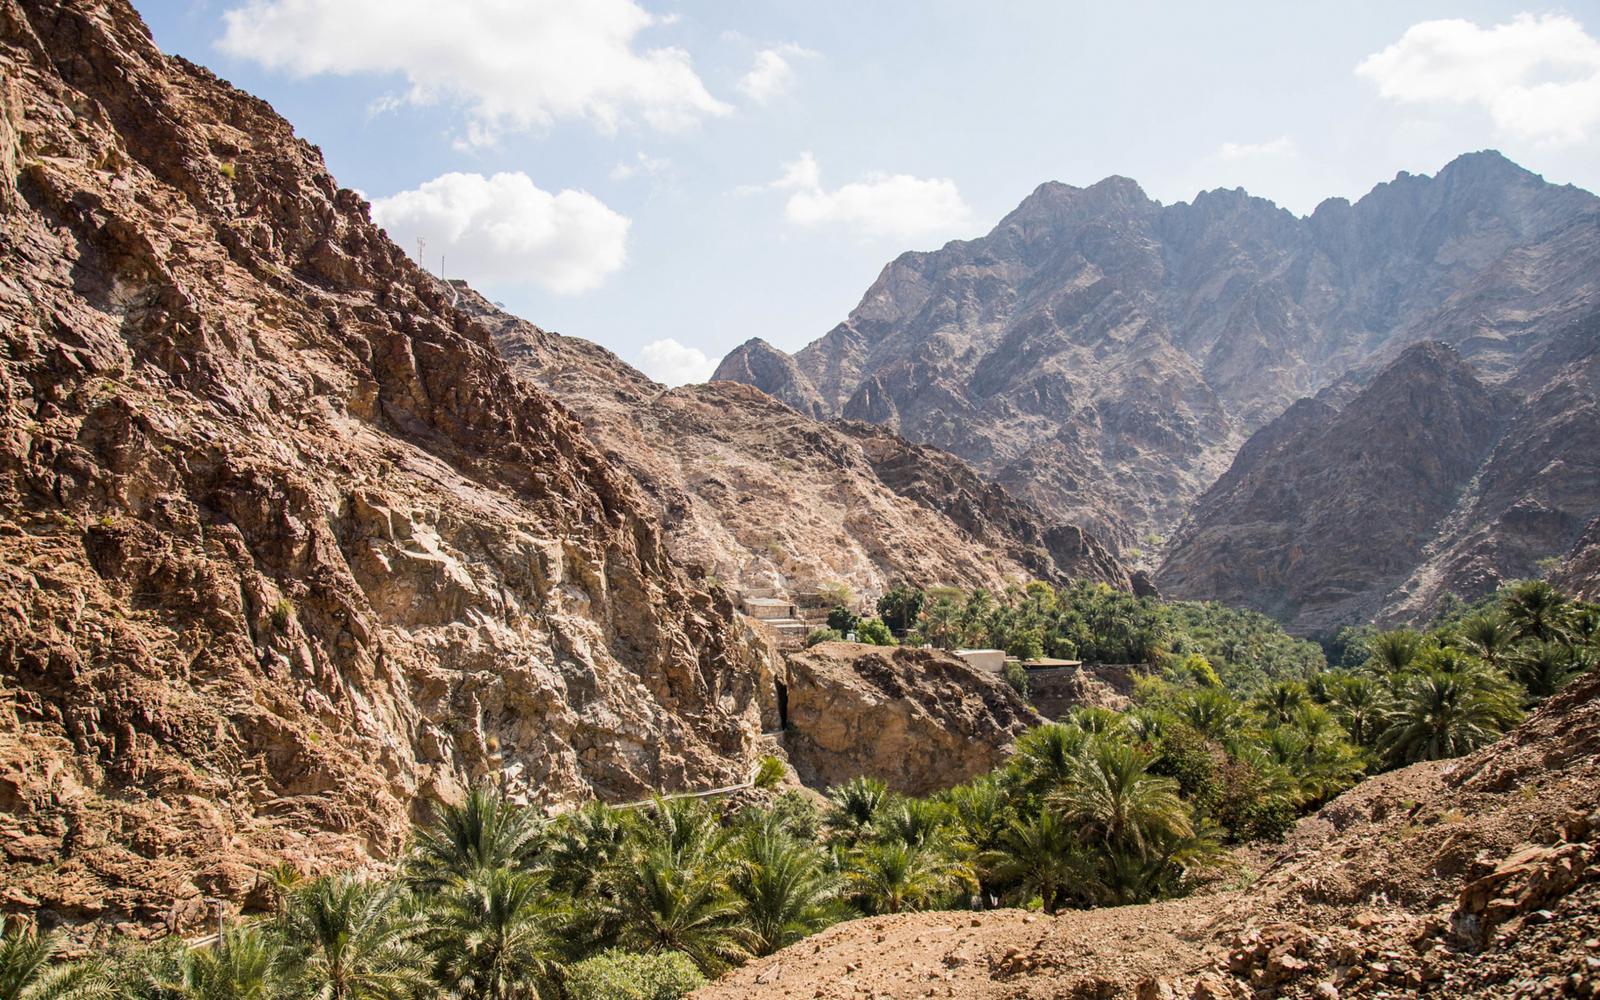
x: 1103, y: 356
x: 1580, y: 571
x: 286, y: 550
x: 764, y: 497
x: 756, y: 362
x: 920, y: 719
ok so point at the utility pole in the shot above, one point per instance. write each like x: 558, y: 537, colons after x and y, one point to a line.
x: 422, y: 253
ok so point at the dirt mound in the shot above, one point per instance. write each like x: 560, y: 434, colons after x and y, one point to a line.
x: 1476, y: 877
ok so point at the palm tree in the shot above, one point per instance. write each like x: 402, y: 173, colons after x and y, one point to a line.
x: 1361, y: 703
x: 916, y: 822
x: 1113, y: 798
x: 347, y: 940
x: 581, y: 845
x: 1037, y: 856
x: 26, y: 972
x: 1544, y: 667
x: 1095, y: 720
x: 1212, y: 712
x: 784, y: 888
x: 667, y: 900
x: 488, y: 937
x: 894, y: 876
x: 853, y: 807
x: 1279, y: 702
x: 484, y: 831
x: 242, y: 966
x: 1446, y: 715
x: 1047, y: 756
x: 1393, y: 651
x: 1536, y: 610
x: 1485, y: 636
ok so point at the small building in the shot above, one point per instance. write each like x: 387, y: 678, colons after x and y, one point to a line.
x: 769, y: 608
x: 992, y: 660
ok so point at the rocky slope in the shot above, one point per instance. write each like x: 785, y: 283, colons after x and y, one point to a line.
x: 286, y: 550
x: 762, y: 496
x: 1425, y: 483
x: 1477, y: 877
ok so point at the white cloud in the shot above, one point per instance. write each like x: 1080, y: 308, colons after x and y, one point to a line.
x: 890, y: 206
x: 773, y: 73
x: 642, y: 164
x: 1538, y: 78
x: 673, y: 363
x: 1282, y: 146
x: 505, y: 230
x: 513, y: 64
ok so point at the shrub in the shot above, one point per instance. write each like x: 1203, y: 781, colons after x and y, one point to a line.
x: 817, y: 635
x: 621, y: 975
x: 1017, y: 676
x: 1027, y: 644
x: 282, y: 612
x: 900, y: 607
x: 842, y: 621
x: 770, y: 773
x: 874, y: 632
x: 837, y: 593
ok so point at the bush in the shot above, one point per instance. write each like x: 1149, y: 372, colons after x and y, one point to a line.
x: 842, y: 621
x: 1017, y: 676
x: 770, y: 773
x: 900, y: 607
x: 621, y: 975
x: 817, y: 635
x: 874, y: 632
x: 1027, y: 644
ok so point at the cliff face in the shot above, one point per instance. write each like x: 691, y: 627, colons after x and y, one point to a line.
x: 762, y: 496
x: 1104, y: 356
x: 286, y: 550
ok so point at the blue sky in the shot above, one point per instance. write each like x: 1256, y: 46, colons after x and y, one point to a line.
x: 668, y: 178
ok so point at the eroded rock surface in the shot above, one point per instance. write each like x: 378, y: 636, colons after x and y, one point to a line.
x: 286, y: 550
x: 920, y: 719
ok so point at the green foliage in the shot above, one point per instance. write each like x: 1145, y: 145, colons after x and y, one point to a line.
x: 818, y: 635
x: 621, y: 975
x: 900, y: 607
x: 837, y: 593
x: 1016, y: 675
x: 770, y: 772
x: 842, y: 620
x: 874, y: 632
x: 1093, y: 622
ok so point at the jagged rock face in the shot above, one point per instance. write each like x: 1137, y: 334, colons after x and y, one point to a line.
x: 1103, y: 356
x: 286, y: 551
x: 1426, y: 483
x: 760, y: 495
x: 756, y: 362
x: 919, y: 719
x: 1580, y: 571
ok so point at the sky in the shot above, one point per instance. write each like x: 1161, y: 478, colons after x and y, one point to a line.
x: 670, y: 178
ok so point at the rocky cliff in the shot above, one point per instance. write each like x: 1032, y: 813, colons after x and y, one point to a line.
x: 919, y: 719
x: 286, y: 549
x: 763, y: 496
x: 1104, y: 356
x: 1425, y: 483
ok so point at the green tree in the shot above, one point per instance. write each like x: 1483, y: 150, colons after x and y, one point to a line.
x: 853, y: 808
x: 242, y: 966
x: 874, y: 632
x: 900, y: 607
x: 671, y: 899
x: 1026, y: 644
x: 483, y: 832
x: 1544, y: 668
x: 842, y: 621
x: 1392, y: 652
x: 1037, y: 855
x: 1486, y: 636
x: 347, y: 939
x: 489, y: 937
x: 894, y: 876
x: 1536, y: 610
x: 1113, y: 798
x: 26, y: 972
x: 1442, y: 715
x: 783, y: 886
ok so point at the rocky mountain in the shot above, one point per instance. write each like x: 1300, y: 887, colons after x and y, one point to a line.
x: 1427, y: 482
x: 1106, y: 358
x: 287, y: 551
x: 764, y: 497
